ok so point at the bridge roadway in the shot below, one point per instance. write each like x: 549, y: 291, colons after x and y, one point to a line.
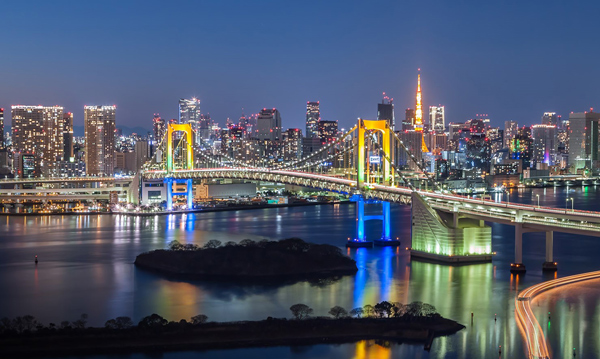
x: 84, y: 179
x: 530, y: 218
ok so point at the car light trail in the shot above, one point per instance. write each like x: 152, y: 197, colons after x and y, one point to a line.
x: 537, y: 347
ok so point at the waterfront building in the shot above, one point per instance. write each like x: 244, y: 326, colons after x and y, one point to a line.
x: 100, y: 128
x: 544, y: 144
x: 313, y: 116
x: 39, y: 130
x: 510, y: 131
x: 328, y: 131
x: 310, y: 145
x: 385, y: 111
x: 68, y: 136
x: 268, y: 125
x: 437, y: 120
x: 583, y: 140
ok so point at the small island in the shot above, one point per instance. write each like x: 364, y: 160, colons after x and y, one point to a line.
x: 392, y: 322
x: 249, y: 260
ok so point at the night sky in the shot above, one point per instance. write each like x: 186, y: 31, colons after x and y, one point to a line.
x: 510, y: 59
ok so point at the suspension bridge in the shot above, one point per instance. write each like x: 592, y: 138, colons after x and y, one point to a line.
x: 368, y: 163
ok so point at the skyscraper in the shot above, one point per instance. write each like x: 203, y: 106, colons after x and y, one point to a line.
x: 268, y: 125
x: 544, y: 144
x: 510, y: 131
x: 409, y: 120
x: 160, y: 127
x: 68, y: 136
x: 2, y: 144
x: 313, y: 116
x: 100, y: 126
x: 189, y: 110
x: 189, y: 113
x: 38, y: 130
x: 385, y: 111
x: 436, y: 118
x: 583, y: 140
x: 550, y: 118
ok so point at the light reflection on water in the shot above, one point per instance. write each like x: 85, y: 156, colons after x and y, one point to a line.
x: 86, y: 266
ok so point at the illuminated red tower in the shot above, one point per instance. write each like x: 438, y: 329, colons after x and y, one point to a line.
x: 419, y: 106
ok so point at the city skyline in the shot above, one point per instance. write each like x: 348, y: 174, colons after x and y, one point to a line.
x: 480, y: 72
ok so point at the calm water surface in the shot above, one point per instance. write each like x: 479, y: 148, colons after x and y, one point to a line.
x: 86, y: 266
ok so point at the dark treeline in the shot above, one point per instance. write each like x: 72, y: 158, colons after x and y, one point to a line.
x: 284, y: 259
x: 28, y: 324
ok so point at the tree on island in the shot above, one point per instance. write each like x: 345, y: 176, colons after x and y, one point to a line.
x: 357, y: 312
x: 383, y: 309
x: 81, y: 322
x: 398, y: 309
x: 175, y: 245
x: 153, y: 321
x: 415, y: 309
x: 119, y: 323
x: 301, y: 311
x: 428, y: 310
x: 199, y: 319
x: 338, y: 312
x: 368, y: 310
x: 213, y: 243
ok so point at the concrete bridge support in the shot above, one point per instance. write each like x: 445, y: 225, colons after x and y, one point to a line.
x: 189, y: 191
x: 361, y: 218
x: 550, y: 264
x: 517, y: 266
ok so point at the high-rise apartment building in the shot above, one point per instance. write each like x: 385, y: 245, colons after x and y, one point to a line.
x: 68, y: 136
x: 544, y: 144
x: 159, y: 126
x: 38, y: 130
x: 268, y: 125
x: 583, y: 140
x: 510, y: 131
x: 313, y: 116
x: 385, y: 111
x: 100, y: 126
x: 292, y: 144
x: 437, y: 120
x: 328, y: 131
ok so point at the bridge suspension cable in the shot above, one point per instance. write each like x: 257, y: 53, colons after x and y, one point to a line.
x: 339, y: 140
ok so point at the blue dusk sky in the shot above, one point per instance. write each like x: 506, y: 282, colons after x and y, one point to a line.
x: 513, y: 60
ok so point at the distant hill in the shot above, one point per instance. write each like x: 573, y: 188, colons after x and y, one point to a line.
x: 80, y: 131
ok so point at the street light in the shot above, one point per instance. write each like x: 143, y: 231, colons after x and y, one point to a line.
x: 572, y: 204
x: 538, y: 199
